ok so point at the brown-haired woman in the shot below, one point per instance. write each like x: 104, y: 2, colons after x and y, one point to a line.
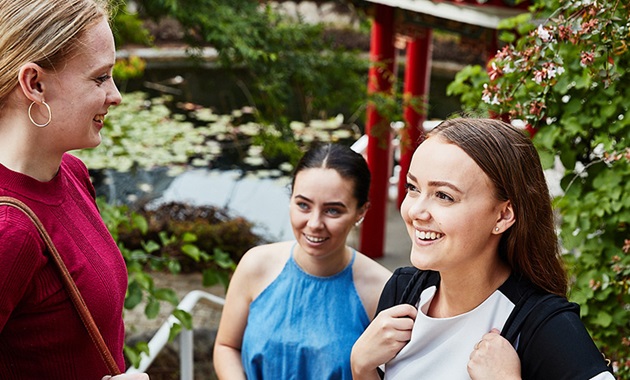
x: 478, y: 212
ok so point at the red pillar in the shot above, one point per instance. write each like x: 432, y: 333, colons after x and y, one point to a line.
x: 380, y: 79
x: 492, y: 45
x: 417, y: 78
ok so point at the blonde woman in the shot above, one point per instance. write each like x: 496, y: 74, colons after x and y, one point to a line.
x: 55, y: 90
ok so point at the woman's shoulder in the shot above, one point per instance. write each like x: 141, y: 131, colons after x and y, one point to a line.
x: 369, y: 279
x: 367, y: 266
x: 14, y: 223
x: 557, y: 324
x: 264, y: 258
x: 369, y: 274
x: 269, y: 251
x: 20, y: 239
x: 75, y: 170
x: 259, y: 266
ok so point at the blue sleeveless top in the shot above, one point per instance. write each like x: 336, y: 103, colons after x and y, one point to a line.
x: 303, y: 327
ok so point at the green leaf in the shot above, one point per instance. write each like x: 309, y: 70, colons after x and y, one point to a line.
x: 514, y: 22
x: 224, y: 279
x: 223, y: 259
x: 134, y: 295
x: 603, y: 319
x: 547, y: 158
x: 133, y: 356
x: 144, y: 280
x: 568, y: 158
x: 189, y: 237
x: 184, y: 317
x: 507, y: 37
x: 210, y: 277
x: 152, y: 309
x: 175, y: 329
x: 192, y: 251
x: 150, y: 246
x: 167, y: 295
x: 607, y: 179
x: 140, y: 222
x: 174, y: 266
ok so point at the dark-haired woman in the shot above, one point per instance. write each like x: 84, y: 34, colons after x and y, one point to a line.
x: 294, y: 309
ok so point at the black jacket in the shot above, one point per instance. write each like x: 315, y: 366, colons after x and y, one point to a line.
x: 552, y: 341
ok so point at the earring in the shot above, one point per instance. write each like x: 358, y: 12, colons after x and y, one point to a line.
x: 358, y: 223
x: 496, y: 229
x: 31, y: 116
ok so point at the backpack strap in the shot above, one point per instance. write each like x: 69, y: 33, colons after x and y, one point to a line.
x: 405, y: 286
x: 534, y: 312
x: 421, y: 280
x: 532, y: 309
x: 519, y: 314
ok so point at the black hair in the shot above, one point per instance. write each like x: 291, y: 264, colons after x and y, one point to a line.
x: 345, y: 161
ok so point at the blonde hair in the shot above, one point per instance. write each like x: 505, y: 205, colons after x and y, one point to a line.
x: 41, y: 31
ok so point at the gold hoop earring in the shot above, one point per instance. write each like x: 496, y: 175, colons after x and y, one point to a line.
x: 31, y: 116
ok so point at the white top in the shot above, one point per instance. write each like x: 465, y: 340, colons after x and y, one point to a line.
x: 440, y: 347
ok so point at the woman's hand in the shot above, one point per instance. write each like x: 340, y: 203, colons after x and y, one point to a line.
x: 127, y: 376
x: 388, y: 333
x: 494, y: 358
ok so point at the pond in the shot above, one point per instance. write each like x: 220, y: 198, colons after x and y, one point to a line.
x: 165, y: 150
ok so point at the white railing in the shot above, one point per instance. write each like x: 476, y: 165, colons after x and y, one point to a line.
x: 159, y: 340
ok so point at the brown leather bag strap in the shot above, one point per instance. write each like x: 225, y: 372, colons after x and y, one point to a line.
x: 71, y: 287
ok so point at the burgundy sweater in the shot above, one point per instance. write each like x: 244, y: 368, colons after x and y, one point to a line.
x: 41, y: 334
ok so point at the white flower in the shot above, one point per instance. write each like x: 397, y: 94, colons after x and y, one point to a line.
x: 554, y: 71
x: 490, y: 99
x: 544, y: 34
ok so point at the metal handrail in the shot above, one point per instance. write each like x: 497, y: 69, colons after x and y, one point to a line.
x: 160, y: 339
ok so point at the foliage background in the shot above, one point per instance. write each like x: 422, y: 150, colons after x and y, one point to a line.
x: 562, y: 73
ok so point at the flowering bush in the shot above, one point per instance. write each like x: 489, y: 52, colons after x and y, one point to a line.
x: 563, y: 73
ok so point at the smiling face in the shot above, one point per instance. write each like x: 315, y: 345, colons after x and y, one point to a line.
x: 450, y: 210
x: 81, y: 90
x: 323, y: 211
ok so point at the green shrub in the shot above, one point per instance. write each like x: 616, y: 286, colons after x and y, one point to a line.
x: 200, y: 238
